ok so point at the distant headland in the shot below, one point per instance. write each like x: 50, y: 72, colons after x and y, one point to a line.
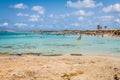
x: 98, y: 32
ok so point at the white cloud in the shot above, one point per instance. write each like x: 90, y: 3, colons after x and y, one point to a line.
x: 5, y: 24
x: 83, y: 4
x: 75, y: 24
x: 80, y: 18
x: 20, y: 6
x: 117, y: 21
x: 32, y: 25
x: 60, y: 15
x: 39, y: 9
x: 99, y: 4
x: 34, y: 18
x: 51, y: 15
x: 106, y: 18
x: 21, y: 14
x: 80, y: 12
x: 65, y: 15
x: 20, y: 25
x: 112, y: 8
x: 83, y: 13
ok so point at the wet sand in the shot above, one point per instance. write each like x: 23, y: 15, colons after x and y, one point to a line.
x: 29, y: 67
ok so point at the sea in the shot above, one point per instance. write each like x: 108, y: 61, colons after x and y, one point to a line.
x: 29, y: 42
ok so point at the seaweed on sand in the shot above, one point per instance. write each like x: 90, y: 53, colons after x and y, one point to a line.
x: 30, y: 53
x: 5, y: 53
x: 52, y: 55
x: 76, y: 54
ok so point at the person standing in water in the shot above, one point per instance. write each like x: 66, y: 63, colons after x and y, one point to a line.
x: 79, y: 38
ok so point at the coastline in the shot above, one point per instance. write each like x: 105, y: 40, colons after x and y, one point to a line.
x: 60, y: 40
x: 40, y: 66
x: 63, y: 67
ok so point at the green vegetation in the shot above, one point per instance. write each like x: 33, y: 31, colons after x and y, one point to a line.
x: 5, y: 53
x: 99, y: 27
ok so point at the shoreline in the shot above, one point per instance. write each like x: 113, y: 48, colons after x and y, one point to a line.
x: 72, y: 54
x: 40, y: 66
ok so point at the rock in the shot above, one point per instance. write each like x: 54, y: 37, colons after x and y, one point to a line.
x: 116, y: 77
x: 36, y: 54
x: 69, y: 75
x: 16, y: 74
x: 52, y: 55
x: 76, y: 54
x: 7, y: 47
x: 17, y: 54
x: 116, y: 69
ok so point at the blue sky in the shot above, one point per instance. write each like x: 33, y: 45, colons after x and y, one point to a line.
x: 59, y: 14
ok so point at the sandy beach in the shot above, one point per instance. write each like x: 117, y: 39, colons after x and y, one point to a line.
x: 59, y: 40
x: 31, y: 67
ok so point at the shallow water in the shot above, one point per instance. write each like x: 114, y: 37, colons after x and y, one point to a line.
x: 21, y: 42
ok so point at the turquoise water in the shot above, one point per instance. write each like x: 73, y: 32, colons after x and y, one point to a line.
x: 19, y: 42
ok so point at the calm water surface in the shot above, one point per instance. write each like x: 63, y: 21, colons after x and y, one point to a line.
x: 20, y: 42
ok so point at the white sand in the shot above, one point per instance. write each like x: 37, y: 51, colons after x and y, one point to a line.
x: 59, y: 68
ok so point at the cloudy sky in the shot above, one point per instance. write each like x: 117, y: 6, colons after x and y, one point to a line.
x: 59, y: 14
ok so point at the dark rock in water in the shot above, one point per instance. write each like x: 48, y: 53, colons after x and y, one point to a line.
x: 30, y: 47
x: 36, y: 54
x: 41, y: 37
x: 16, y: 54
x: 76, y: 54
x: 7, y: 47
